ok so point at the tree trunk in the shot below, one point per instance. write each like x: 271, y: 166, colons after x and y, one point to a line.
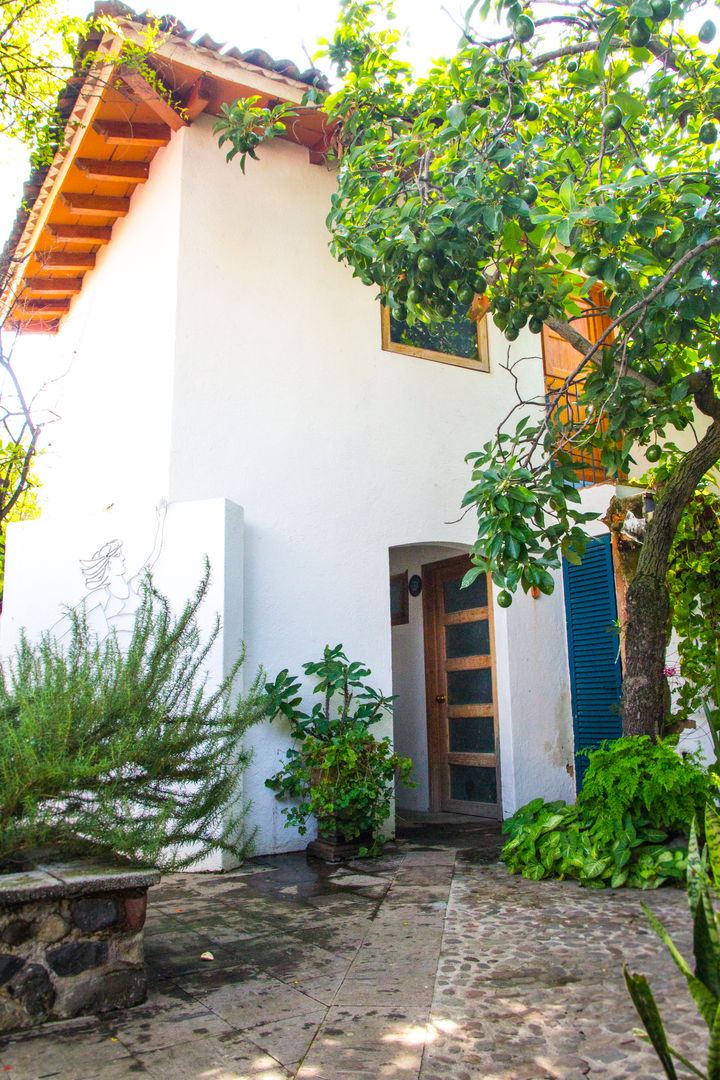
x: 648, y: 605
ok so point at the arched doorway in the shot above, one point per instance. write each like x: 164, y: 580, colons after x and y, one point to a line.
x: 445, y: 716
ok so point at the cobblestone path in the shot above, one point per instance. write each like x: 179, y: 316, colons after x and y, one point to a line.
x: 431, y: 963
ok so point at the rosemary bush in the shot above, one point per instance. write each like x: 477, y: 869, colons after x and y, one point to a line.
x: 125, y: 749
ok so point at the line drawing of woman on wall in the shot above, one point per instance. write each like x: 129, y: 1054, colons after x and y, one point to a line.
x: 112, y: 598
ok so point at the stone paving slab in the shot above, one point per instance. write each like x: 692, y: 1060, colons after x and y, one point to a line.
x: 431, y: 963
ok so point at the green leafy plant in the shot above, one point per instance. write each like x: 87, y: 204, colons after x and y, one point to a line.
x: 645, y: 778
x: 340, y: 773
x: 704, y: 981
x: 245, y: 125
x: 637, y: 797
x: 126, y: 750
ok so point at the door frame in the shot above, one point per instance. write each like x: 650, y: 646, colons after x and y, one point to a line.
x: 437, y: 730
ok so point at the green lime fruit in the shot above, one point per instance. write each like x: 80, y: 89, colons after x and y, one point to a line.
x: 502, y: 304
x: 529, y: 193
x: 415, y: 296
x: 611, y: 118
x: 707, y: 32
x: 426, y: 264
x: 500, y: 321
x: 466, y: 294
x: 639, y: 33
x: 623, y: 278
x: 660, y: 9
x: 592, y: 265
x: 504, y: 598
x: 535, y: 325
x: 512, y: 333
x: 399, y: 312
x: 480, y: 284
x: 542, y: 309
x: 427, y: 241
x: 444, y: 308
x: 707, y: 134
x: 531, y: 111
x: 653, y: 452
x: 401, y: 290
x: 571, y: 66
x: 523, y: 28
x: 519, y: 319
x: 664, y: 246
x: 483, y: 101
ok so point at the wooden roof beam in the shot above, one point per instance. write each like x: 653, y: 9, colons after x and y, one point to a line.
x: 95, y: 205
x: 94, y: 234
x: 41, y: 307
x: 66, y: 260
x: 120, y: 133
x: 127, y: 172
x: 200, y: 96
x: 143, y: 91
x: 34, y: 326
x: 50, y: 287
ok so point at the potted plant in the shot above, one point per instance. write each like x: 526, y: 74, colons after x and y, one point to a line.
x: 341, y: 775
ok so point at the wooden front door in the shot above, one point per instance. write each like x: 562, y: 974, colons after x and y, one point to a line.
x: 461, y: 695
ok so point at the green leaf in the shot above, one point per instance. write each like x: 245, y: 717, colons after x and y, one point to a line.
x: 567, y: 193
x: 713, y: 1059
x: 644, y: 1002
x: 712, y: 837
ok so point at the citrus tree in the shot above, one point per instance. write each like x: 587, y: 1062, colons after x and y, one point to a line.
x: 554, y: 164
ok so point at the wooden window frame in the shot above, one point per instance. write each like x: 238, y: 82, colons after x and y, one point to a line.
x: 478, y: 314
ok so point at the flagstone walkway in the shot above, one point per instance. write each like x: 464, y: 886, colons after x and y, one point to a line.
x: 431, y: 963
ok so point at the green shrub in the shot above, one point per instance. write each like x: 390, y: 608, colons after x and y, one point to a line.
x: 646, y: 779
x: 636, y: 797
x: 125, y: 750
x: 338, y: 772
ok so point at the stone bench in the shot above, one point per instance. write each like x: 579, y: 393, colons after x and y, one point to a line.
x: 71, y: 937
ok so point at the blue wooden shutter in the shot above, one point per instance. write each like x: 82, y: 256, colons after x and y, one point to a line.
x: 595, y: 672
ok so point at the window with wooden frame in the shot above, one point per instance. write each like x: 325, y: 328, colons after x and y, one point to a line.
x: 461, y: 339
x: 559, y: 360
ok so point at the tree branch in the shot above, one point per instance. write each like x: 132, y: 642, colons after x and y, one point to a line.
x: 700, y: 383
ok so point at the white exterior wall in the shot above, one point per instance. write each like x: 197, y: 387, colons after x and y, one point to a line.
x: 116, y: 353
x: 218, y: 352
x: 285, y: 403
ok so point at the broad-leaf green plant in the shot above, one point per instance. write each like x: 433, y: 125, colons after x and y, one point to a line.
x: 337, y: 772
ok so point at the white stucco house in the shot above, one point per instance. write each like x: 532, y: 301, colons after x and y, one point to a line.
x: 230, y: 391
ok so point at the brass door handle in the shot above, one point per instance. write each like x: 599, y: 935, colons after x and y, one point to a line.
x: 440, y: 699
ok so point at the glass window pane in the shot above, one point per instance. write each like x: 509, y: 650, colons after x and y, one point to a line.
x: 473, y: 783
x: 457, y: 599
x: 472, y: 735
x: 467, y: 639
x: 472, y: 687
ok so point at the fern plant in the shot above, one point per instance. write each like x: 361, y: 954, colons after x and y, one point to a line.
x: 125, y: 750
x: 645, y: 778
